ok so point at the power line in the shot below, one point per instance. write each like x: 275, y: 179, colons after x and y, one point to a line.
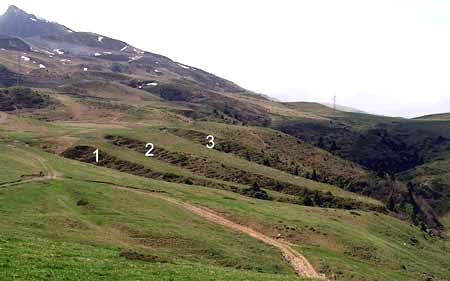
x: 334, y: 103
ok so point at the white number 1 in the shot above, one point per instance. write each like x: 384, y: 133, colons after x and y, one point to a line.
x: 149, y: 152
x: 211, y: 143
x: 96, y: 155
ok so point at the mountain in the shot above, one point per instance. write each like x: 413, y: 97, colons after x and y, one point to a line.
x: 116, y: 157
x: 16, y: 22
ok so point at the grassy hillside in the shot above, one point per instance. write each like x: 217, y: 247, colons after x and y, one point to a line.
x: 442, y: 117
x: 433, y: 181
x: 85, y: 223
x: 357, y: 196
x: 389, y: 147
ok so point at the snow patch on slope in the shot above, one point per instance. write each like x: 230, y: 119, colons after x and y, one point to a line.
x: 135, y: 58
x: 183, y: 66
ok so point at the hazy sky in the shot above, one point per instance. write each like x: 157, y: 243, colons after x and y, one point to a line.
x: 388, y: 57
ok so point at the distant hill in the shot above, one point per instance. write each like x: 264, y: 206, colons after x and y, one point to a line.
x: 344, y: 108
x: 13, y: 43
x: 312, y: 107
x: 440, y: 116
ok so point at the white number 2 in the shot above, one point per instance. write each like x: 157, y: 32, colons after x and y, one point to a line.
x: 96, y: 155
x: 149, y: 152
x: 211, y: 143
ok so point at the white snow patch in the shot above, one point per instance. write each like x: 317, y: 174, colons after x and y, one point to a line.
x: 50, y: 53
x: 183, y: 66
x: 3, y: 49
x: 50, y: 56
x: 107, y: 53
x: 25, y: 58
x: 64, y: 60
x: 97, y: 54
x: 41, y: 19
x: 34, y: 62
x: 100, y: 38
x: 85, y: 69
x: 157, y: 71
x: 70, y: 31
x: 35, y: 20
x: 140, y: 87
x: 135, y: 58
x: 58, y: 51
x: 152, y: 84
x: 41, y: 66
x: 157, y: 62
x: 124, y: 48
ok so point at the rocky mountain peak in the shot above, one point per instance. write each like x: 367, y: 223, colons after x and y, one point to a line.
x: 17, y: 22
x: 14, y: 10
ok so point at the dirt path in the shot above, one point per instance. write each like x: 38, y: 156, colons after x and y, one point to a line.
x: 3, y: 117
x: 298, y: 262
x: 49, y: 173
x: 52, y: 174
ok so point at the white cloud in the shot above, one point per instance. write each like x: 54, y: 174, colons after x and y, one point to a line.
x: 388, y: 57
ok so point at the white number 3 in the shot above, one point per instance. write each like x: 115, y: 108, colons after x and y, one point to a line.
x: 149, y: 152
x: 211, y: 143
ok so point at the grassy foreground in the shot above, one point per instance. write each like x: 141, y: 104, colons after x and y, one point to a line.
x: 46, y: 234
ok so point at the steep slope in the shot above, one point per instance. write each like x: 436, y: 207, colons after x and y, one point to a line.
x: 16, y: 22
x: 432, y: 181
x: 56, y: 40
x: 388, y: 147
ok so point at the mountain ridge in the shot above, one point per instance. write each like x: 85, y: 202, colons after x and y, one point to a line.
x: 17, y: 22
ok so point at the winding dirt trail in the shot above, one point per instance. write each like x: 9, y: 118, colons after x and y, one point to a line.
x: 297, y: 261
